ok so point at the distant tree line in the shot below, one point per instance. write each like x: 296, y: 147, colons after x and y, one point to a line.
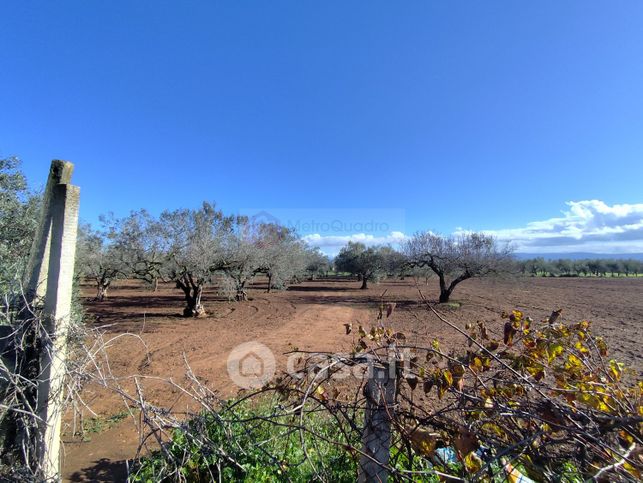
x: 565, y: 267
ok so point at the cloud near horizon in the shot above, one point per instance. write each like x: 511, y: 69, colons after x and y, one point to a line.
x: 586, y: 226
x: 331, y: 244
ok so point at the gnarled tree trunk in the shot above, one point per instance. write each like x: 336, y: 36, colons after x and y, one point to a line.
x: 102, y: 285
x: 241, y: 295
x: 269, y: 282
x: 193, y: 292
x: 364, y: 283
x: 445, y: 291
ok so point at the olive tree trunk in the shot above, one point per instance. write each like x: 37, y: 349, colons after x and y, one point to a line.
x: 102, y: 285
x: 364, y: 283
x: 193, y: 291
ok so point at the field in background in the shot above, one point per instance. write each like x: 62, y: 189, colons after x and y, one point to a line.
x: 309, y: 316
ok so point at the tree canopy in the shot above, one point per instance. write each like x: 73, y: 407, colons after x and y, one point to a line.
x: 457, y: 258
x: 366, y: 263
x: 19, y: 212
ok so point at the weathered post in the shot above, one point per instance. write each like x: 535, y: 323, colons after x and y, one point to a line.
x: 35, y: 281
x: 376, y: 438
x: 49, y: 279
x: 57, y: 311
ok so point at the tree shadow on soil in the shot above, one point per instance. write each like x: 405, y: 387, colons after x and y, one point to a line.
x: 372, y: 301
x: 103, y: 470
x: 312, y: 288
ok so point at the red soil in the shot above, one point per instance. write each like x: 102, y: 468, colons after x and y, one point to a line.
x: 309, y: 316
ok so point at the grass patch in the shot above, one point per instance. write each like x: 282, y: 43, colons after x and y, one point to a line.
x: 245, y: 442
x: 99, y: 424
x: 452, y: 305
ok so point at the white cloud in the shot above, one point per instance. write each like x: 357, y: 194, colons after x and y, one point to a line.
x: 587, y: 226
x: 331, y: 244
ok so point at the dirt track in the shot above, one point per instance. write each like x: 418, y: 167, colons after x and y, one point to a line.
x: 310, y: 316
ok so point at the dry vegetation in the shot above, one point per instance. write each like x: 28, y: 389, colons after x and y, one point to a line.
x: 308, y: 316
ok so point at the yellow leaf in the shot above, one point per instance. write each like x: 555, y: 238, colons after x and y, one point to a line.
x: 581, y: 348
x: 602, y: 346
x: 476, y: 365
x: 554, y: 351
x: 516, y: 315
x: 472, y: 462
x: 321, y: 392
x: 424, y: 441
x: 536, y: 371
x: 616, y: 368
x: 573, y: 362
x: 448, y: 377
x: 632, y: 470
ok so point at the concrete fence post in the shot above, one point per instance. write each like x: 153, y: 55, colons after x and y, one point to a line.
x: 57, y: 314
x: 380, y: 392
x: 48, y: 285
x: 35, y: 281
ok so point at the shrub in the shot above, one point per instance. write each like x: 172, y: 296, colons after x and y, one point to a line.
x: 542, y: 399
x: 251, y: 441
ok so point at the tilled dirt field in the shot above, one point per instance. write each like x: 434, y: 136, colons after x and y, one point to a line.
x: 309, y: 316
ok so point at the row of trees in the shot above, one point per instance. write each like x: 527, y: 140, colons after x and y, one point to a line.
x: 192, y: 248
x: 451, y: 259
x: 566, y: 267
x: 195, y: 247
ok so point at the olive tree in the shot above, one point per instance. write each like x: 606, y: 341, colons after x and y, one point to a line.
x: 317, y: 264
x: 418, y: 273
x: 392, y: 261
x: 366, y: 263
x: 99, y: 260
x: 283, y: 256
x: 633, y: 267
x: 195, y: 251
x: 457, y: 258
x: 144, y: 245
x: 241, y: 259
x: 19, y: 213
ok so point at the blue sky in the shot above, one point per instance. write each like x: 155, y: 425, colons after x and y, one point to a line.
x: 521, y: 118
